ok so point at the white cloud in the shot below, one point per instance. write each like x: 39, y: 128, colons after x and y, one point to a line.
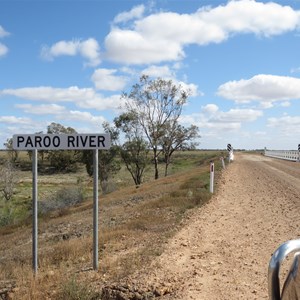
x: 43, y: 109
x: 162, y: 36
x: 49, y: 94
x: 158, y: 71
x: 83, y: 116
x: 263, y: 88
x: 60, y: 113
x: 135, y: 13
x: 295, y: 70
x: 237, y: 116
x: 210, y: 108
x: 89, y: 49
x: 211, y: 117
x: 190, y: 87
x: 3, y: 50
x: 104, y: 79
x: 249, y: 16
x: 85, y: 98
x: 168, y: 74
x: 287, y: 125
x: 285, y: 104
x: 113, y: 102
x: 14, y: 120
x: 131, y: 47
x: 32, y: 126
x: 3, y: 33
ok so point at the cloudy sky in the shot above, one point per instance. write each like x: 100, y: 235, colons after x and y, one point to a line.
x: 69, y: 61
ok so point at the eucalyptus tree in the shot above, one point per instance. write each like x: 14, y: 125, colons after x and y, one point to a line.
x: 134, y: 151
x: 177, y: 137
x: 157, y: 104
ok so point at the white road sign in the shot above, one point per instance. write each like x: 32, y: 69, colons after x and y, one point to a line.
x: 61, y: 141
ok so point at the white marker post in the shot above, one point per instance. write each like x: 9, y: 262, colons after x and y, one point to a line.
x: 212, y: 173
x: 223, y: 163
x: 37, y: 142
x: 230, y: 152
x: 298, y: 152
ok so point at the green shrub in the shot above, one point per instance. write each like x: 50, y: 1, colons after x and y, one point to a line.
x: 74, y: 290
x: 10, y: 214
x: 6, y: 215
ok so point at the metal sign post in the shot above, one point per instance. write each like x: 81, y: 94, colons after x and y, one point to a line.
x: 95, y: 210
x: 34, y: 211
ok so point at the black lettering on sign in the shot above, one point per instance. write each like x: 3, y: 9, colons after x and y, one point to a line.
x: 37, y: 141
x: 47, y: 141
x: 92, y: 141
x: 29, y: 142
x: 83, y: 140
x: 56, y: 141
x: 20, y: 140
x: 71, y: 141
x: 101, y: 140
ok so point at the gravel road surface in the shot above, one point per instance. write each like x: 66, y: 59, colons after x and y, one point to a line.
x: 224, y: 249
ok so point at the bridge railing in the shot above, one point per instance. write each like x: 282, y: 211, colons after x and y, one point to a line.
x: 292, y: 155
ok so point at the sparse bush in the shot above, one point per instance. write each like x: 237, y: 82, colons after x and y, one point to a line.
x: 63, y: 198
x: 108, y: 186
x: 8, y: 180
x: 10, y: 214
x: 6, y: 215
x: 74, y: 290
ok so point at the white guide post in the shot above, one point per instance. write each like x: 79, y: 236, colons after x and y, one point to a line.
x: 212, y: 173
x: 223, y: 163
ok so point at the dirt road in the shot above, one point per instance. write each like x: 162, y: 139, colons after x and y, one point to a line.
x: 224, y: 250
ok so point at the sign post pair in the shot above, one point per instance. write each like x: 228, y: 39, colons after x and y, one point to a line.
x: 37, y: 142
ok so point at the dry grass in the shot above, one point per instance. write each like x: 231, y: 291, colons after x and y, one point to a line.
x: 134, y: 226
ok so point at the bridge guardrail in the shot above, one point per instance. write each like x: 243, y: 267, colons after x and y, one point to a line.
x: 291, y: 155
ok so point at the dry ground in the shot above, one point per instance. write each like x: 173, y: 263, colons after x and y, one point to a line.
x: 224, y: 250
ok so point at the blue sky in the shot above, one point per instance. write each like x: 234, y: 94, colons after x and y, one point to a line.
x: 69, y: 61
